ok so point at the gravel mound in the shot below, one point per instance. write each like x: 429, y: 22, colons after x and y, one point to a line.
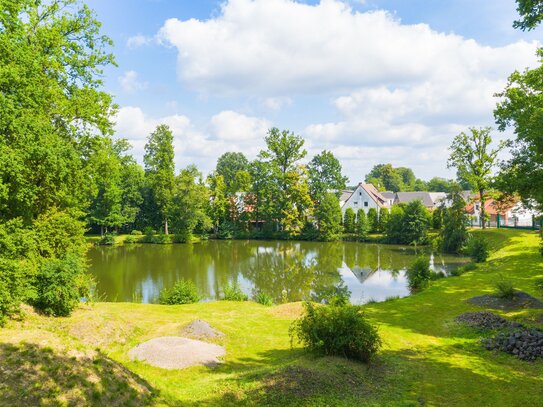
x: 521, y: 300
x: 485, y: 320
x: 173, y: 352
x: 525, y: 343
x: 201, y: 330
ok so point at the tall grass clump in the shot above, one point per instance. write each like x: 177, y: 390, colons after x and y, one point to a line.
x: 340, y: 330
x: 183, y: 292
x: 233, y: 292
x: 263, y: 298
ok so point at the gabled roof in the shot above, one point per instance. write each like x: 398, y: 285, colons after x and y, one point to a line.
x: 345, y: 194
x: 374, y: 194
x: 388, y: 195
x: 406, y: 197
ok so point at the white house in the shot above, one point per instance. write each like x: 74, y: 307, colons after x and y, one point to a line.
x: 365, y: 197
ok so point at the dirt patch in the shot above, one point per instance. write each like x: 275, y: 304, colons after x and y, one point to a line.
x: 200, y: 329
x: 173, y: 352
x: 485, y: 320
x: 520, y: 301
x: 288, y: 311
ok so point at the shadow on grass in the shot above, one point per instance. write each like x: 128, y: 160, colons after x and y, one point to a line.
x: 32, y: 375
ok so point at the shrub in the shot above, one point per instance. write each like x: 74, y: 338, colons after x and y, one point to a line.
x: 183, y: 292
x: 478, y: 249
x: 182, y: 237
x: 362, y: 225
x: 349, y: 221
x: 233, y: 292
x: 384, y: 216
x: 309, y: 232
x: 373, y: 220
x: 109, y: 239
x: 263, y: 298
x: 130, y: 239
x: 504, y: 289
x: 162, y: 238
x: 136, y: 233
x: 418, y: 273
x: 336, y: 330
x: 60, y: 284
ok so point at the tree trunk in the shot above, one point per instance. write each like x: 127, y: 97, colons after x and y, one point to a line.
x: 166, y: 226
x: 483, y: 213
x: 102, y: 230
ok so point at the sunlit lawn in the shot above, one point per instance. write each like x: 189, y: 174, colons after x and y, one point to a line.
x: 427, y: 359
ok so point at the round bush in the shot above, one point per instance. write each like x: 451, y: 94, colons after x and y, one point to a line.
x: 340, y: 330
x: 418, y: 273
x: 183, y: 292
x: 478, y: 249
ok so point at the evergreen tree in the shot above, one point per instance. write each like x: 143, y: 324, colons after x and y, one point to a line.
x: 362, y: 225
x: 384, y: 216
x: 349, y: 221
x: 373, y: 220
x: 328, y: 214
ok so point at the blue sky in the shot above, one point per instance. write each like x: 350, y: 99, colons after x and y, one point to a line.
x: 373, y: 81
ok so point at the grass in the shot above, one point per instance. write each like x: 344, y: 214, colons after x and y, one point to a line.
x: 426, y: 359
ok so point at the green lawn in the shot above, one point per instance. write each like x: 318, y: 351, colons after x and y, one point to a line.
x: 427, y: 359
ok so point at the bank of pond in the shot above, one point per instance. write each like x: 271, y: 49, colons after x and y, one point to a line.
x: 285, y: 270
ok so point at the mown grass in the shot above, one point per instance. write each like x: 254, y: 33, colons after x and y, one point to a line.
x: 427, y: 359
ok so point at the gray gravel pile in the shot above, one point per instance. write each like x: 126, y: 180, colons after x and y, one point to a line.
x: 485, y: 320
x: 200, y: 329
x: 524, y: 343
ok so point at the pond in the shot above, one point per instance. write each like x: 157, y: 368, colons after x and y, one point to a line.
x: 287, y: 271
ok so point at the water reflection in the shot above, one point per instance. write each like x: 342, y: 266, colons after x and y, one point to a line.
x: 287, y: 271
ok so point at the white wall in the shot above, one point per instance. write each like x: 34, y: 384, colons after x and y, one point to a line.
x: 357, y: 199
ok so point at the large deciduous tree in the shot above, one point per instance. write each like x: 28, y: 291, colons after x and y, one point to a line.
x: 474, y: 159
x: 159, y: 169
x: 325, y: 175
x: 52, y: 115
x: 228, y: 166
x: 531, y: 13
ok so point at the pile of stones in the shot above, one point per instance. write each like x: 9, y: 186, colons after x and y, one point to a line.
x: 524, y: 343
x: 485, y: 320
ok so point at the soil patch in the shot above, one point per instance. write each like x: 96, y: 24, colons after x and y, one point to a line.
x: 200, y: 329
x: 485, y: 320
x: 173, y: 352
x: 521, y: 300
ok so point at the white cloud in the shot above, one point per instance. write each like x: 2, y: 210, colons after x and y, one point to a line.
x: 226, y: 131
x: 283, y: 47
x: 138, y: 41
x: 129, y: 82
x: 277, y: 103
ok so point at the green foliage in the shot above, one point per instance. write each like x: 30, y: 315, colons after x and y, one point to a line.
x: 263, y: 298
x: 373, y: 220
x: 419, y: 273
x: 161, y: 238
x: 136, y: 233
x: 478, y: 249
x: 328, y: 214
x: 384, y: 216
x: 531, y: 13
x: 504, y: 289
x: 182, y: 292
x: 437, y: 218
x: 229, y: 166
x: 182, y: 237
x: 408, y: 224
x: 233, y: 292
x: 336, y: 330
x: 455, y: 233
x: 437, y: 184
x: 362, y: 226
x: 538, y: 284
x: 109, y: 239
x: 131, y: 239
x: 474, y: 160
x: 463, y: 269
x: 349, y: 221
x: 324, y: 171
x: 60, y: 284
x: 387, y: 178
x: 159, y: 169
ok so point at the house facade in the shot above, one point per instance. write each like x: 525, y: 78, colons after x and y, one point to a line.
x: 365, y: 197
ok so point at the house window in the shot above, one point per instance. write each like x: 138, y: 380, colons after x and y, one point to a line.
x: 356, y: 203
x: 360, y: 193
x: 476, y: 207
x: 365, y: 203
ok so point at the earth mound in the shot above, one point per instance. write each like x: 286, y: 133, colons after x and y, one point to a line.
x: 519, y: 301
x: 174, y: 352
x: 200, y: 329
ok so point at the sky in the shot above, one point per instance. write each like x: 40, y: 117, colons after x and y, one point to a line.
x: 373, y: 81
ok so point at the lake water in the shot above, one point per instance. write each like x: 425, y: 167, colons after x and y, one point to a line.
x: 288, y: 271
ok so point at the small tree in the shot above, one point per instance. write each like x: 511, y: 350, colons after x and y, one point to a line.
x: 384, y: 216
x: 328, y: 215
x: 362, y: 226
x: 415, y: 223
x: 349, y: 221
x: 474, y: 160
x: 455, y: 233
x: 437, y: 217
x: 373, y: 220
x: 394, y: 227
